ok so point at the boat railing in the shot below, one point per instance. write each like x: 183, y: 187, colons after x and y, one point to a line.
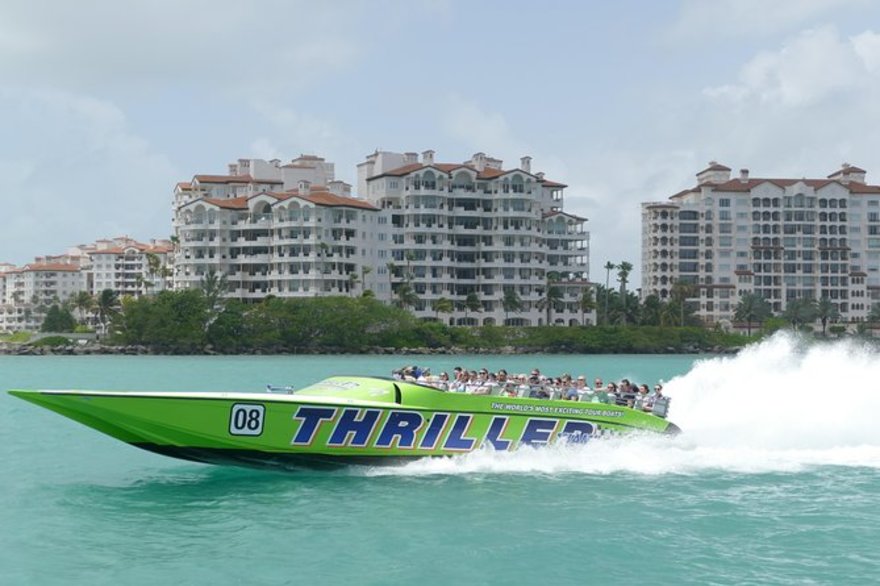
x: 277, y: 389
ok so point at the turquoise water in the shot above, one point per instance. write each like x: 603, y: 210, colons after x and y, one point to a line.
x: 771, y: 483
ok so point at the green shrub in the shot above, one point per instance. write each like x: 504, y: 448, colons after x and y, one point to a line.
x: 53, y: 341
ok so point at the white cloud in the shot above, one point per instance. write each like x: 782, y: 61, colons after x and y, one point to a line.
x: 723, y: 19
x: 810, y: 68
x: 75, y: 173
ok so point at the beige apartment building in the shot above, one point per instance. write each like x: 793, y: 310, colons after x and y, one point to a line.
x: 445, y: 229
x: 782, y: 238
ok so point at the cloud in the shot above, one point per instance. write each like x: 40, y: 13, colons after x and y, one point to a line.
x: 811, y: 67
x: 76, y: 172
x: 724, y: 19
x: 221, y: 44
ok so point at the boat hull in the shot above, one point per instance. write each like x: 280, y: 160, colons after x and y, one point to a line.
x: 339, y: 422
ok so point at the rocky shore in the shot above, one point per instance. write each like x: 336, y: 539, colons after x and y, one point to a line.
x: 94, y: 349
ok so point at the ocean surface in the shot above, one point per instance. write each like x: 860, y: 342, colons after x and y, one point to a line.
x: 775, y: 480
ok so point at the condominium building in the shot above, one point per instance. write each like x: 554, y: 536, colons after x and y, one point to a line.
x: 286, y: 230
x: 462, y: 229
x: 128, y: 267
x: 32, y: 289
x: 782, y: 238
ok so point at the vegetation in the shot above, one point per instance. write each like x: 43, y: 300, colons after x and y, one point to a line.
x: 188, y: 322
x: 58, y: 319
x: 52, y: 341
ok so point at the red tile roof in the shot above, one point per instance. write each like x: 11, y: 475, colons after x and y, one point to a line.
x: 54, y: 267
x: 736, y: 185
x: 448, y: 168
x: 233, y: 179
x: 714, y: 167
x: 559, y: 213
x: 317, y: 195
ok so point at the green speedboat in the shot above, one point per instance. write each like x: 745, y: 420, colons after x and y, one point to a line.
x: 341, y: 420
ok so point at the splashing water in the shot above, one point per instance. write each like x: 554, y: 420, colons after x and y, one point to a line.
x: 779, y: 406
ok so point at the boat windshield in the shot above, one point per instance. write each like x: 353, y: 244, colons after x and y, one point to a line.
x: 353, y: 387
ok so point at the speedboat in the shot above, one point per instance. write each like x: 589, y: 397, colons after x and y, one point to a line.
x: 339, y: 421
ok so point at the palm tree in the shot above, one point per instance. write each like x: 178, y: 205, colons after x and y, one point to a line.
x: 323, y: 249
x: 392, y: 268
x: 472, y: 303
x: 586, y: 303
x: 213, y: 287
x: 83, y: 303
x: 609, y: 266
x: 442, y: 305
x: 553, y: 298
x: 154, y: 269
x: 677, y: 308
x: 800, y: 312
x: 107, y: 307
x: 353, y: 280
x: 874, y: 314
x: 511, y: 302
x: 825, y: 310
x: 751, y: 308
x: 365, y: 270
x: 623, y: 271
x: 406, y: 296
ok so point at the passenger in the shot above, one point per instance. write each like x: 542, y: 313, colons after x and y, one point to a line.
x: 509, y: 390
x: 626, y: 395
x: 473, y: 383
x: 642, y: 398
x: 611, y: 389
x: 502, y: 376
x: 443, y: 382
x: 583, y: 391
x: 598, y: 385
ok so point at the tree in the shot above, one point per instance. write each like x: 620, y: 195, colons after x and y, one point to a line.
x: 365, y: 270
x: 323, y: 250
x: 406, y: 296
x: 213, y: 286
x: 442, y: 305
x: 58, y: 320
x: 83, y: 303
x: 652, y: 311
x: 511, y: 303
x: 825, y: 310
x: 472, y: 303
x: 678, y: 309
x: 353, y: 280
x: 553, y: 298
x: 609, y: 266
x: 107, y: 307
x: 799, y: 312
x: 751, y: 308
x: 874, y: 314
x: 586, y: 303
x: 623, y: 271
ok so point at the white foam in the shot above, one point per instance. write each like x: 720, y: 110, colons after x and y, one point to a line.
x: 781, y: 405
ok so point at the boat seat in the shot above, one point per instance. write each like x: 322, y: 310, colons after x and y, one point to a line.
x: 661, y: 406
x: 600, y: 397
x: 555, y: 395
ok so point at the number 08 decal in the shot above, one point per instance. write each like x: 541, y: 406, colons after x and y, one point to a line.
x: 246, y: 419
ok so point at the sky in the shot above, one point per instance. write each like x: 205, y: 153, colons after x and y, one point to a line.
x: 106, y: 105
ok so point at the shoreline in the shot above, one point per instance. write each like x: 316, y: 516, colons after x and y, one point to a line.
x: 7, y: 349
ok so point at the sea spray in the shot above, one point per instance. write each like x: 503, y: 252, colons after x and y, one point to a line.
x: 779, y: 406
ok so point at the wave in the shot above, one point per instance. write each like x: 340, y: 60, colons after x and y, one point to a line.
x: 781, y: 405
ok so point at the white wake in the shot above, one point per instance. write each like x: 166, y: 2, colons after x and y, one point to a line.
x: 778, y: 406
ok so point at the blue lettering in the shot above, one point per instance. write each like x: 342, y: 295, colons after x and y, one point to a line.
x: 435, y: 428
x: 537, y: 431
x: 402, y: 425
x: 353, y: 431
x: 577, y: 432
x: 311, y: 419
x: 496, y: 428
x: 456, y: 440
